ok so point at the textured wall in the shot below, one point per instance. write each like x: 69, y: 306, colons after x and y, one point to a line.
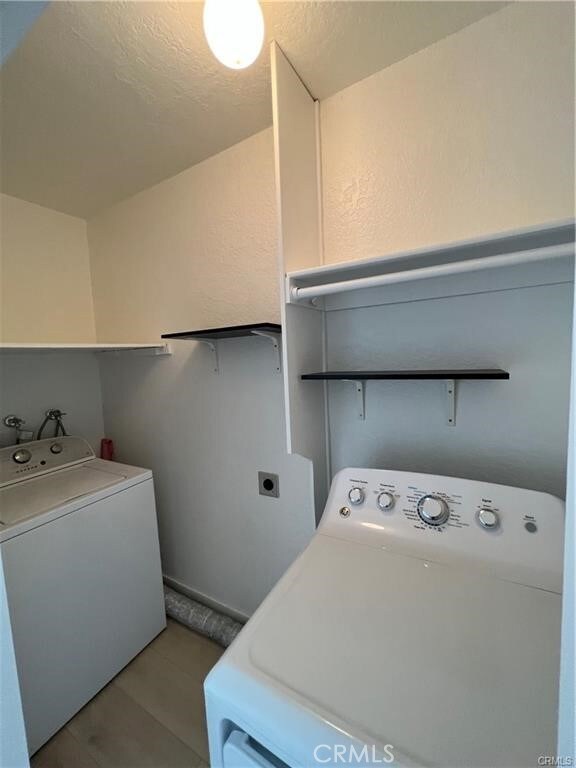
x: 198, y: 249
x: 472, y: 135
x: 46, y: 294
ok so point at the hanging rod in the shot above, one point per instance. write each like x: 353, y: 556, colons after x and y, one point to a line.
x: 439, y: 270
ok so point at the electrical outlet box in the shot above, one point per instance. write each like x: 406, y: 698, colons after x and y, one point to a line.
x: 268, y: 484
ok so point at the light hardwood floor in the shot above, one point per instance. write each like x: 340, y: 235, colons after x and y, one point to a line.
x: 150, y: 716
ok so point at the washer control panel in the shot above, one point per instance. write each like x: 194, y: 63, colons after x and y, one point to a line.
x: 21, y: 462
x: 515, y: 533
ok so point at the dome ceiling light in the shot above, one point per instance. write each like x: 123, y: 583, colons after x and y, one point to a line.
x: 234, y: 30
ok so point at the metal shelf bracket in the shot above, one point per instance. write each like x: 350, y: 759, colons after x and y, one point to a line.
x: 360, y: 388
x: 212, y: 345
x: 450, y: 393
x: 162, y: 351
x: 274, y: 339
x: 450, y: 385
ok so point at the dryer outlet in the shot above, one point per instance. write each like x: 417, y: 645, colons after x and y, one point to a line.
x: 268, y: 484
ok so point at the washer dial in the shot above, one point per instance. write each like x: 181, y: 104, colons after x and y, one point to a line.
x: 488, y: 518
x: 433, y: 510
x: 22, y: 456
x: 385, y: 501
x: 356, y: 496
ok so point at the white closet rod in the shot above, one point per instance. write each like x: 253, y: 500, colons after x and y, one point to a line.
x: 440, y: 270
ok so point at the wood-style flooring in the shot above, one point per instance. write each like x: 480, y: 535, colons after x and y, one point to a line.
x: 150, y: 716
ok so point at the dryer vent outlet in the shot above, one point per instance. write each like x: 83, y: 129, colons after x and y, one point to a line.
x: 268, y: 484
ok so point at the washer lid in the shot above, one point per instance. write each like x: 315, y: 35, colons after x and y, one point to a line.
x: 31, y: 498
x: 450, y: 666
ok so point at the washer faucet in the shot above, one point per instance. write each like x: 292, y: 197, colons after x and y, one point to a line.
x: 53, y: 414
x: 14, y: 422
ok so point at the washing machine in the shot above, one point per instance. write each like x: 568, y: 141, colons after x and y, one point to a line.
x: 81, y: 561
x: 421, y: 626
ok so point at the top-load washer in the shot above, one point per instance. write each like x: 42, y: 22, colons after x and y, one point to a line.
x: 421, y: 626
x: 81, y: 560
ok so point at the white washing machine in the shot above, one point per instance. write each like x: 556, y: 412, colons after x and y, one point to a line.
x: 79, y: 545
x: 421, y: 626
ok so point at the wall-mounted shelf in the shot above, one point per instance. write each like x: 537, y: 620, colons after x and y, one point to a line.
x: 228, y: 332
x: 442, y: 374
x: 211, y: 336
x: 153, y: 349
x: 449, y: 376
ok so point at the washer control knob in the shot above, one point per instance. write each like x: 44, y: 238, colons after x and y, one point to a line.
x: 433, y: 510
x: 385, y: 501
x: 56, y: 448
x: 22, y: 456
x: 356, y: 496
x: 488, y: 518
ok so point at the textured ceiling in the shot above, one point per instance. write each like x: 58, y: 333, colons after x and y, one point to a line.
x: 103, y: 99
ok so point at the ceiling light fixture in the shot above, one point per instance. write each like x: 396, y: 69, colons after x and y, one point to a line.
x: 234, y: 30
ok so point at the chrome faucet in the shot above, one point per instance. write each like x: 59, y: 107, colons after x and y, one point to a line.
x: 16, y: 423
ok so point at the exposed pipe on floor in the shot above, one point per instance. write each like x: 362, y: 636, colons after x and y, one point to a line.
x: 218, y: 627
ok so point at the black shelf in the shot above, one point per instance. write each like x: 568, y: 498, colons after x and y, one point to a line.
x: 450, y: 373
x: 229, y: 332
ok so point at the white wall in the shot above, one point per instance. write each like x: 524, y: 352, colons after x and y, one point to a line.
x: 196, y: 251
x: 206, y: 435
x: 45, y: 286
x: 30, y: 383
x: 472, y: 135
